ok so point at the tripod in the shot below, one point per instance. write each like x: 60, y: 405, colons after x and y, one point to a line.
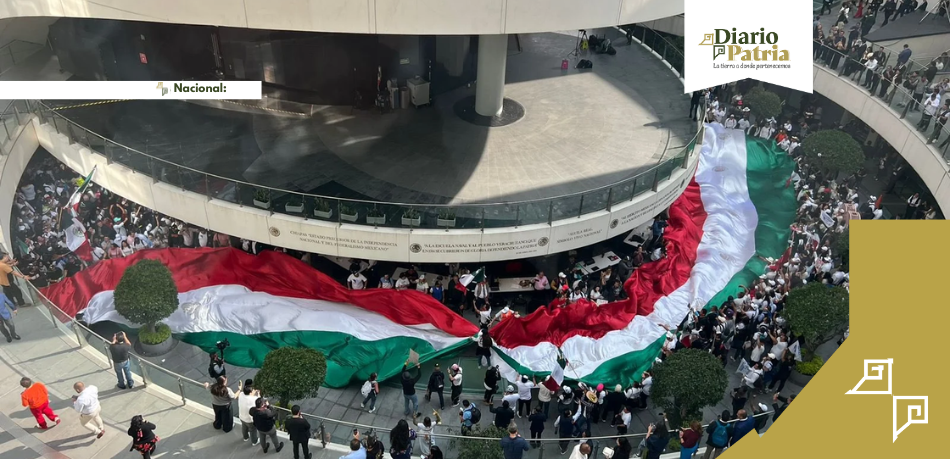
x: 941, y: 9
x: 581, y: 38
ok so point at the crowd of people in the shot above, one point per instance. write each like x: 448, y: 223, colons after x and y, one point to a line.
x: 747, y: 328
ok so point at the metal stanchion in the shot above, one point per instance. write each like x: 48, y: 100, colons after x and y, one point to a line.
x: 181, y: 389
x: 323, y: 434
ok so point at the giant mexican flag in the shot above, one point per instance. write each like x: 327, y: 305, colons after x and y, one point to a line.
x: 263, y: 302
x: 736, y: 210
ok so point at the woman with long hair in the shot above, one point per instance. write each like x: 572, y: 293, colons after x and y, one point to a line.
x: 689, y: 439
x: 436, y: 453
x: 658, y: 437
x: 623, y: 449
x: 143, y: 436
x: 221, y: 397
x: 401, y: 437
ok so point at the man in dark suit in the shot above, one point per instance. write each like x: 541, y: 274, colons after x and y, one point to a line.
x: 299, y: 431
x: 780, y: 409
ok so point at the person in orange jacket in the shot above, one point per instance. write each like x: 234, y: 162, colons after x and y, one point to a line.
x: 36, y: 398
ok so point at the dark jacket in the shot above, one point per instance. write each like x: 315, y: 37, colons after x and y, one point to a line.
x: 143, y: 434
x: 537, y: 422
x: 492, y: 376
x: 711, y: 429
x: 503, y: 416
x: 409, y: 384
x: 263, y: 418
x: 656, y: 444
x: 740, y: 428
x: 298, y: 429
x: 565, y: 428
x: 436, y: 382
x: 514, y: 448
x: 613, y: 401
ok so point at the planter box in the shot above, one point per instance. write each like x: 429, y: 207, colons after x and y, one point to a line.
x: 298, y: 209
x: 153, y: 350
x: 376, y: 220
x: 411, y: 221
x: 799, y: 378
x: 348, y: 218
x: 449, y: 223
x: 262, y: 204
x: 325, y: 215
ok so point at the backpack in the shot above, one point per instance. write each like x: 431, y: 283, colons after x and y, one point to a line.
x: 720, y: 435
x: 367, y: 387
x: 476, y: 415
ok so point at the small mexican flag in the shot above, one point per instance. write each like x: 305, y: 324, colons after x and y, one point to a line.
x: 76, y: 238
x: 81, y: 190
x: 479, y: 276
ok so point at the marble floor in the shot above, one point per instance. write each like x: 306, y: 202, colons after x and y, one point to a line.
x: 583, y: 129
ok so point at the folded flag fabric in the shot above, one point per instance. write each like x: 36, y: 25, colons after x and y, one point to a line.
x: 736, y: 210
x: 263, y: 302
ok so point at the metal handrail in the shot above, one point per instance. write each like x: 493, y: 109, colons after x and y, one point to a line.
x: 316, y: 196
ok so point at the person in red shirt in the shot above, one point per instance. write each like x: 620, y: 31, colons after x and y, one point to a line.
x: 36, y: 398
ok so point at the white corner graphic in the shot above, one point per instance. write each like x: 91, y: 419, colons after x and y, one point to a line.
x: 877, y: 367
x: 912, y: 410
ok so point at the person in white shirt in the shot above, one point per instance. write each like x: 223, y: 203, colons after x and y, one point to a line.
x: 870, y: 65
x: 246, y: 401
x: 731, y: 122
x: 752, y: 375
x: 385, y: 282
x: 455, y: 375
x: 524, y: 395
x: 541, y: 282
x: 581, y: 451
x: 356, y: 281
x: 403, y: 282
x: 511, y: 396
x: 744, y: 124
x: 87, y: 405
x: 422, y: 285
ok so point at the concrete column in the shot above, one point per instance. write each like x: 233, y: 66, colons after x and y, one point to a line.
x: 490, y: 82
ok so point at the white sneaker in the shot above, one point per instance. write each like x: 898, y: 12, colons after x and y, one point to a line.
x: 372, y: 410
x: 256, y: 442
x: 246, y: 439
x: 362, y: 405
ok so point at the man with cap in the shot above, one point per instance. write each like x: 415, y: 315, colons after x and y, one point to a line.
x: 511, y: 395
x: 409, y: 388
x: 544, y: 395
x: 524, y: 395
x: 455, y: 375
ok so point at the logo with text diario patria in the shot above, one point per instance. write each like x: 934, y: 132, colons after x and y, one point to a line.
x: 742, y: 46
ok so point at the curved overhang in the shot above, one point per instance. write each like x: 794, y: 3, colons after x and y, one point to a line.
x: 408, y: 17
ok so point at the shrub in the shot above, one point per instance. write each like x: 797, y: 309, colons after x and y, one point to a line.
x: 816, y: 312
x: 292, y: 373
x: 687, y: 381
x: 810, y: 367
x: 323, y: 205
x: 833, y: 150
x: 162, y: 332
x: 262, y: 195
x: 481, y: 449
x: 347, y: 210
x: 146, y: 294
x: 763, y: 104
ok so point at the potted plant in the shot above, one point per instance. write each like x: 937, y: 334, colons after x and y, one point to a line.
x: 411, y: 217
x: 291, y: 373
x: 262, y: 198
x: 295, y: 204
x: 480, y: 449
x: 322, y: 209
x: 375, y: 217
x: 816, y: 313
x: 146, y: 295
x: 446, y: 218
x: 347, y: 213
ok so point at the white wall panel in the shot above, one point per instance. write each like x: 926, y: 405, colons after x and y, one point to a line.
x: 183, y: 205
x: 414, y: 17
x: 12, y: 166
x: 241, y: 221
x: 444, y: 17
x: 352, y: 16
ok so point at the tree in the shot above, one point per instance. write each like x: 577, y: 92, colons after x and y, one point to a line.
x: 763, y: 104
x: 842, y: 249
x: 292, y: 373
x: 687, y: 381
x: 816, y: 312
x: 146, y: 295
x: 481, y: 449
x: 834, y: 151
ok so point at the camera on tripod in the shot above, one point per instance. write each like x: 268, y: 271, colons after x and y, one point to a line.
x: 223, y: 344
